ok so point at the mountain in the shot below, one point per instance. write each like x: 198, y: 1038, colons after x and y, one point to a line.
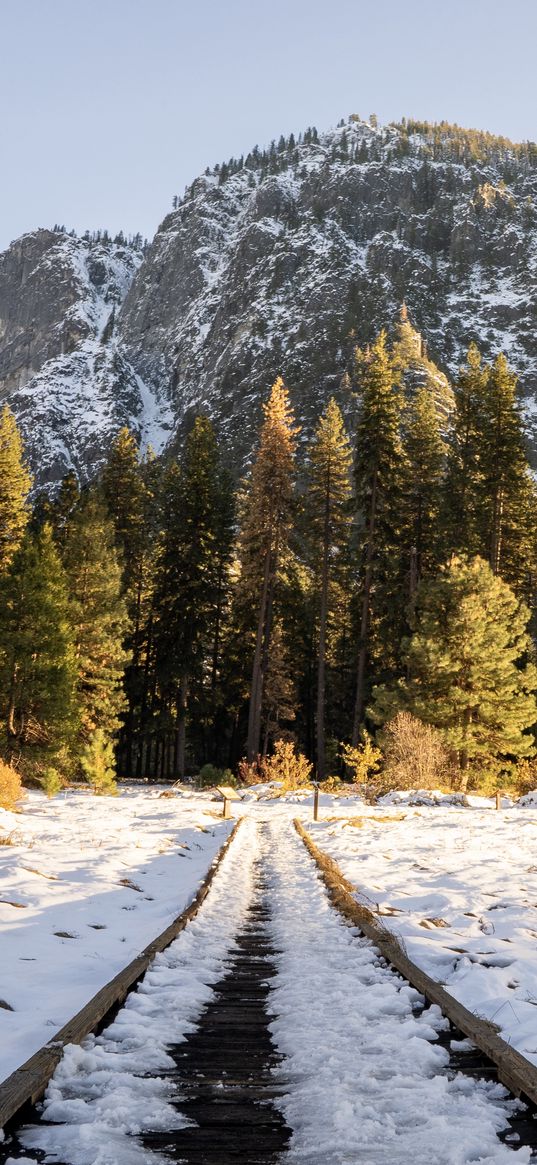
x: 61, y: 368
x: 275, y: 264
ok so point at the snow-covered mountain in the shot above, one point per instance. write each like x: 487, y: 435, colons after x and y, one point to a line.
x: 61, y: 368
x: 277, y: 264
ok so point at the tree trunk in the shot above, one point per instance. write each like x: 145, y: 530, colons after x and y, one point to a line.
x: 321, y: 668
x: 496, y: 536
x: 364, y: 622
x: 261, y: 654
x: 181, y: 728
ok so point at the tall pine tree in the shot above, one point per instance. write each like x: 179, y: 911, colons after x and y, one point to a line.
x: 266, y: 521
x: 378, y: 473
x: 329, y: 520
x: 37, y: 665
x: 15, y: 484
x: 188, y: 592
x: 98, y: 617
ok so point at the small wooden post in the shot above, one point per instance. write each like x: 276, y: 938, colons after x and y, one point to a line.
x: 316, y: 802
x: 228, y: 795
x: 498, y: 799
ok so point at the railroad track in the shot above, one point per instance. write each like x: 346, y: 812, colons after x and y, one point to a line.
x: 234, y: 1094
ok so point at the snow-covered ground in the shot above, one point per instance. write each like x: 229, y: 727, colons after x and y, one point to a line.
x: 363, y: 1078
x: 459, y: 887
x: 85, y: 884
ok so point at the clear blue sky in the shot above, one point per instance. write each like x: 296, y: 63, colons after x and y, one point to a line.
x: 109, y: 107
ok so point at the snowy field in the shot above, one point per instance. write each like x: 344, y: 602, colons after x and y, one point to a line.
x: 362, y: 1076
x: 459, y: 887
x: 85, y: 884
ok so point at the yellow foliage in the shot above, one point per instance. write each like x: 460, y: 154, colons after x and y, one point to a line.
x: 10, y: 786
x: 362, y: 759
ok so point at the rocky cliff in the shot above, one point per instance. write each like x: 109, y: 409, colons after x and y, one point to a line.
x: 277, y: 264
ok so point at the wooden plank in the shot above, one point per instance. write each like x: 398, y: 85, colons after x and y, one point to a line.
x: 28, y: 1083
x: 514, y: 1070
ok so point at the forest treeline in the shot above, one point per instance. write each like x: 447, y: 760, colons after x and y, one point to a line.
x: 163, y: 618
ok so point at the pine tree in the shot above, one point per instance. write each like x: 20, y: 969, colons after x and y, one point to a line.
x: 467, y: 666
x: 507, y: 496
x: 464, y: 478
x: 97, y: 763
x: 98, y: 617
x: 123, y: 491
x: 329, y: 519
x: 423, y: 474
x: 15, y: 484
x: 263, y: 539
x: 378, y: 473
x: 188, y: 590
x: 132, y: 491
x: 37, y: 667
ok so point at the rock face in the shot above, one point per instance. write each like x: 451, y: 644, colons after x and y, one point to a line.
x: 278, y: 265
x: 61, y: 369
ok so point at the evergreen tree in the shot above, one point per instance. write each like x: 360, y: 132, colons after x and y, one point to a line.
x: 188, y: 590
x: 263, y: 539
x: 423, y: 478
x: 467, y: 667
x: 507, y: 496
x: 132, y: 491
x: 37, y: 667
x: 123, y: 491
x: 15, y: 484
x: 461, y: 517
x: 378, y: 472
x: 98, y: 617
x: 329, y: 518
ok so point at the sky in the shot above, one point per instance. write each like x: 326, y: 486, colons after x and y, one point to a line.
x: 110, y: 107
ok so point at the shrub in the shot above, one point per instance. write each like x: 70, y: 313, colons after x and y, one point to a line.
x: 332, y: 785
x: 98, y: 765
x: 362, y: 759
x: 10, y: 786
x: 51, y: 782
x: 415, y: 756
x: 250, y: 773
x: 286, y: 765
x: 210, y: 775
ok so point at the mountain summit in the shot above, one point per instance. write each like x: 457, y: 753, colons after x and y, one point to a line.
x: 276, y: 264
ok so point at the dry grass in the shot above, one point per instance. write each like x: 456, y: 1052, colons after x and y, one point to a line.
x: 359, y: 822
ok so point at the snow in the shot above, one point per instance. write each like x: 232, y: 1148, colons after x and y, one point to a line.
x: 107, y: 874
x: 362, y: 1077
x: 99, y: 1092
x: 365, y: 1081
x: 459, y: 888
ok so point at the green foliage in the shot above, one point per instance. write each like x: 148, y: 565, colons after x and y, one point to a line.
x: 37, y: 665
x: 98, y: 764
x: 467, y: 667
x: 52, y: 782
x: 98, y: 616
x: 211, y: 775
x: 15, y: 484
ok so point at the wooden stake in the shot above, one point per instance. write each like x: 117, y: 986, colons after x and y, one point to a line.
x: 316, y: 804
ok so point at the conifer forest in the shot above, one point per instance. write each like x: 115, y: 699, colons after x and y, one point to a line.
x: 172, y: 617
